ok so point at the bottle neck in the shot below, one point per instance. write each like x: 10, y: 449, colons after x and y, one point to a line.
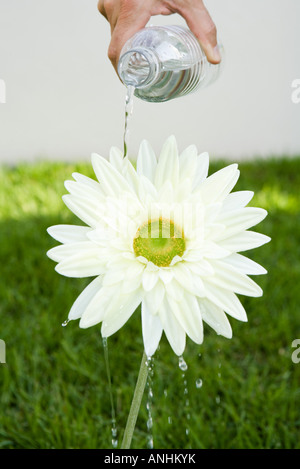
x: 138, y: 67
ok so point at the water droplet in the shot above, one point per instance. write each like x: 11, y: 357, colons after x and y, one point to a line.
x: 149, y: 423
x: 114, y: 431
x: 183, y: 367
x: 150, y: 443
x: 114, y: 434
x: 199, y: 383
x: 65, y: 323
x: 182, y: 364
x: 219, y: 372
x: 150, y: 365
x: 114, y: 443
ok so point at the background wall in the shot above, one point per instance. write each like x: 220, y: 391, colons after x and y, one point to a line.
x: 64, y: 101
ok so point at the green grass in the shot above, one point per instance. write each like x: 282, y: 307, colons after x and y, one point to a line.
x: 54, y: 391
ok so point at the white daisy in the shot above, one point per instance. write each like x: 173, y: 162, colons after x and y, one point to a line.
x: 165, y: 236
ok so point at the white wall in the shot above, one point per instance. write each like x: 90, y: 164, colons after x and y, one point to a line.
x: 64, y: 101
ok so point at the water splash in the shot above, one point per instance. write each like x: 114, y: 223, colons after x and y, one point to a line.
x: 150, y: 365
x: 128, y: 113
x: 114, y: 430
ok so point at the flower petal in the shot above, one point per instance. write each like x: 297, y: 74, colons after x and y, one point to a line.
x: 116, y: 158
x: 228, y: 277
x: 91, y: 183
x: 165, y: 274
x: 201, y: 268
x: 110, y: 179
x: 120, y: 310
x: 240, y: 220
x: 131, y: 176
x: 174, y: 290
x: 146, y: 161
x: 188, y: 163
x: 215, y: 317
x: 212, y: 250
x: 85, y: 297
x: 97, y: 307
x: 244, y: 241
x: 152, y: 330
x: 237, y: 200
x: 149, y: 279
x: 182, y: 275
x: 113, y: 276
x: 85, y: 191
x: 173, y: 330
x: 217, y: 186
x: 201, y: 170
x: 245, y: 265
x: 83, y: 209
x: 64, y: 251
x: 188, y: 315
x: 226, y: 300
x: 69, y: 233
x: 168, y: 164
x: 154, y: 299
x: 82, y: 264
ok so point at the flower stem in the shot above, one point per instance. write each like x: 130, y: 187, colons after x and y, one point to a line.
x: 135, y: 404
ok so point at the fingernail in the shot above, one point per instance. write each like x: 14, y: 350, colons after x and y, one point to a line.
x: 217, y: 54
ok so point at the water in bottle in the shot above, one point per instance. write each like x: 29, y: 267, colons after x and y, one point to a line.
x: 165, y: 62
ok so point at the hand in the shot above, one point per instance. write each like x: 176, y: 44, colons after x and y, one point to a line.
x: 126, y: 17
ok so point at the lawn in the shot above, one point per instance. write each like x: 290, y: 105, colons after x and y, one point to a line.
x: 53, y: 387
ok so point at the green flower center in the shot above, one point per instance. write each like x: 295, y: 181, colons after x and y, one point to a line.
x: 159, y: 241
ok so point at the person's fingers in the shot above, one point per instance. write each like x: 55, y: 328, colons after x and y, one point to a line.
x: 101, y: 8
x: 126, y: 17
x: 110, y: 9
x: 129, y: 21
x: 200, y: 23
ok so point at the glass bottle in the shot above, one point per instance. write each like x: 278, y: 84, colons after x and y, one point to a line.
x: 165, y: 62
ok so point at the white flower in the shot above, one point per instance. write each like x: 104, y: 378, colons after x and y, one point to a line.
x: 165, y: 236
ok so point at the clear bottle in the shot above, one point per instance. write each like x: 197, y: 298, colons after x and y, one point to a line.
x: 165, y: 62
